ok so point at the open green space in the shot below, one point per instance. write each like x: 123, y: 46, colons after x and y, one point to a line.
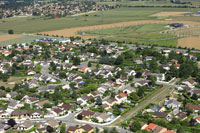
x: 40, y: 24
x: 150, y: 2
x: 24, y: 39
x: 143, y: 31
x: 147, y: 34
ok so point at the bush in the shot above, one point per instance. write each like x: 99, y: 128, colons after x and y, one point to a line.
x: 10, y: 32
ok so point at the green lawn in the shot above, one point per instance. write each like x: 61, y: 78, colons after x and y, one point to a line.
x: 39, y: 24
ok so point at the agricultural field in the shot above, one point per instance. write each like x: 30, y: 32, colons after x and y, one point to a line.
x: 41, y: 24
x: 5, y: 37
x: 21, y: 39
x: 141, y: 31
x: 150, y: 3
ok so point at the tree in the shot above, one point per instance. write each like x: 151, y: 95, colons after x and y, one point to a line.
x: 10, y: 31
x: 116, y: 110
x: 119, y: 60
x: 89, y: 64
x: 105, y: 130
x: 11, y: 122
x: 76, y: 61
x: 133, y: 96
x: 49, y: 129
x: 79, y: 117
x: 180, y: 129
x: 99, y: 101
x: 74, y: 94
x: 140, y: 92
x: 63, y: 128
x: 194, y: 96
x: 135, y: 126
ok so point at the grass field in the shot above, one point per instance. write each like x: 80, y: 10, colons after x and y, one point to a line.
x: 147, y: 34
x: 143, y: 31
x: 12, y: 80
x: 150, y: 3
x: 169, y: 43
x: 24, y: 39
x: 40, y: 24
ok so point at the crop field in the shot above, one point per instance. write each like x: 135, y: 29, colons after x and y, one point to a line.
x: 4, y: 37
x: 191, y: 31
x: 150, y: 3
x: 41, y: 24
x: 190, y: 42
x: 141, y: 31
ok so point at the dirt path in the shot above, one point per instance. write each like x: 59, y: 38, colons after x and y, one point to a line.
x: 73, y: 31
x: 8, y: 37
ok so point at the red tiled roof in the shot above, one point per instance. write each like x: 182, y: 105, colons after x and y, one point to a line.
x: 151, y: 126
x: 191, y: 106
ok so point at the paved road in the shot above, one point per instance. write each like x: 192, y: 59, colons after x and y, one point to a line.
x: 70, y: 121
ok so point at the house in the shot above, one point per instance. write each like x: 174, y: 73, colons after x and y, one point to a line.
x: 128, y: 89
x: 31, y: 100
x: 86, y: 114
x: 196, y: 108
x: 31, y: 72
x: 13, y: 104
x: 163, y: 115
x: 2, y: 128
x: 41, y: 104
x: 110, y: 102
x: 83, y: 100
x: 148, y: 58
x: 155, y: 128
x: 138, y: 61
x: 165, y: 67
x: 86, y: 128
x: 57, y: 111
x: 156, y: 108
x: 141, y: 83
x: 85, y: 69
x: 72, y: 129
x: 159, y: 76
x: 33, y: 114
x: 53, y: 123
x: 102, y: 117
x: 172, y: 104
x: 103, y: 88
x: 106, y: 74
x: 197, y: 118
x: 189, y: 83
x: 122, y: 97
x: 181, y: 115
x: 96, y: 71
x: 95, y: 94
x: 122, y: 80
x: 11, y: 94
x: 166, y: 50
x: 130, y: 72
x: 64, y: 106
x: 26, y: 125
